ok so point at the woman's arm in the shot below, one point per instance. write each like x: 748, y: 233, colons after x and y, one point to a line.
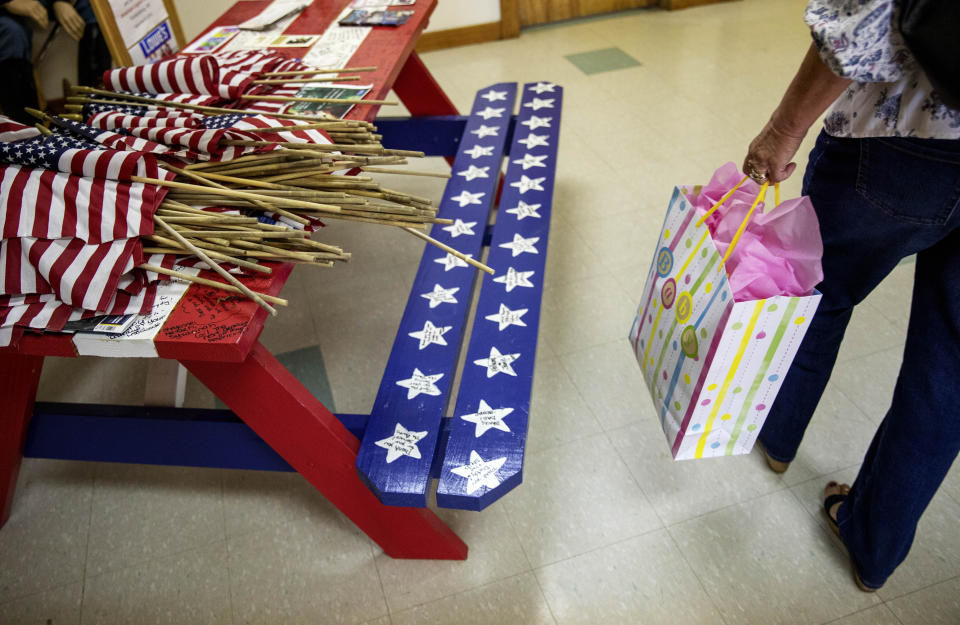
x: 813, y: 89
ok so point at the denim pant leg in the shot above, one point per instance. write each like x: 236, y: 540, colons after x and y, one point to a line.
x: 919, y: 439
x: 14, y: 38
x: 862, y: 244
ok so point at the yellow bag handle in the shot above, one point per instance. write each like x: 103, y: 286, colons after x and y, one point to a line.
x: 725, y: 197
x: 743, y: 225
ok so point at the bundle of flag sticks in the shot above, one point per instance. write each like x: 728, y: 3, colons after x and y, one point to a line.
x: 191, y: 159
x: 296, y: 184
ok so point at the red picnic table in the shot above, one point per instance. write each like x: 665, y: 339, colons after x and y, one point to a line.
x: 217, y: 339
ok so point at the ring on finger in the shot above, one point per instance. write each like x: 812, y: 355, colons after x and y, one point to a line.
x: 755, y: 175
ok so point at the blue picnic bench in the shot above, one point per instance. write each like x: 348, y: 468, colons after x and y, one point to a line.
x: 476, y: 455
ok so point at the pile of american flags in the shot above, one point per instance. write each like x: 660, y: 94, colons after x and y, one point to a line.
x: 74, y: 206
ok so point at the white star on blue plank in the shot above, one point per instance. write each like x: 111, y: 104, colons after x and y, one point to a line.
x: 431, y: 335
x: 540, y: 103
x: 528, y: 184
x: 479, y: 472
x: 529, y: 160
x: 402, y: 443
x: 493, y: 95
x: 440, y: 295
x: 533, y: 141
x: 485, y: 131
x: 506, y: 317
x: 419, y: 383
x: 451, y: 262
x: 513, y: 278
x: 523, y: 210
x: 487, y: 418
x: 537, y: 122
x: 541, y: 87
x: 498, y: 363
x: 472, y: 172
x: 479, y: 150
x: 466, y: 198
x: 519, y: 245
x: 459, y: 227
x: 489, y: 112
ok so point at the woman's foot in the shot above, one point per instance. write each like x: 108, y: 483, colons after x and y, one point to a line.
x: 775, y: 465
x: 833, y: 496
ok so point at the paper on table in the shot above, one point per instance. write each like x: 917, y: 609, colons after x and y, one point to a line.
x: 370, y: 4
x: 294, y: 41
x: 277, y: 10
x: 258, y: 40
x: 328, y: 90
x: 211, y: 40
x: 337, y: 45
x: 137, y: 340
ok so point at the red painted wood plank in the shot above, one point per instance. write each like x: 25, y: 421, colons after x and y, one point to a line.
x: 311, y: 439
x: 19, y: 376
x: 386, y: 47
x: 211, y: 324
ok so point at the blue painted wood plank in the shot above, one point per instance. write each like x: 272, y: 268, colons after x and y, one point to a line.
x: 192, y: 438
x: 488, y: 430
x: 434, y: 135
x: 398, y: 446
x: 187, y: 437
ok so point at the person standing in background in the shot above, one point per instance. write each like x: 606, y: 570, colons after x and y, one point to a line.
x: 884, y: 178
x: 17, y: 18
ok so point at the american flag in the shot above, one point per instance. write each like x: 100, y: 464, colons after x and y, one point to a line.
x: 151, y: 110
x: 15, y: 131
x: 70, y: 228
x: 165, y: 143
x: 201, y: 75
x: 57, y: 187
x: 116, y: 120
x: 136, y: 294
x: 71, y: 154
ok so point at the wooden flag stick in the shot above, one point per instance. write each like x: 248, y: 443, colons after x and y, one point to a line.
x: 404, y: 172
x: 316, y: 126
x: 213, y: 265
x: 180, y: 105
x: 218, y: 285
x: 247, y: 234
x: 204, y: 180
x: 172, y: 247
x: 449, y: 250
x: 314, y: 72
x: 285, y: 81
x: 243, y: 195
x: 283, y: 98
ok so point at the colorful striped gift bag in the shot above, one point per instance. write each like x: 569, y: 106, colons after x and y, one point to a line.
x: 713, y: 362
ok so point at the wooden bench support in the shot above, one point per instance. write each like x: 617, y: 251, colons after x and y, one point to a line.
x: 299, y: 428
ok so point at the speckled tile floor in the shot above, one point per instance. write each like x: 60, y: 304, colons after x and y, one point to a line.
x: 606, y: 528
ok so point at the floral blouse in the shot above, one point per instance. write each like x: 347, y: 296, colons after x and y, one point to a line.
x: 891, y: 96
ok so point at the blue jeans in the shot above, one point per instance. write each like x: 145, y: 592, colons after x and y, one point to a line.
x: 879, y: 200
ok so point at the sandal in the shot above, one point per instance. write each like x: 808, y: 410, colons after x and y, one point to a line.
x: 829, y: 503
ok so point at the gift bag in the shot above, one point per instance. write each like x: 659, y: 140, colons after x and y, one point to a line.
x: 714, y: 360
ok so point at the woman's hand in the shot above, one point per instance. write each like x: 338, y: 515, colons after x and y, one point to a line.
x: 30, y: 9
x: 69, y: 19
x: 769, y: 156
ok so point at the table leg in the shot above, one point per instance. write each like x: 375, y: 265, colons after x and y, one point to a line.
x: 309, y: 437
x: 19, y: 376
x: 419, y: 92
